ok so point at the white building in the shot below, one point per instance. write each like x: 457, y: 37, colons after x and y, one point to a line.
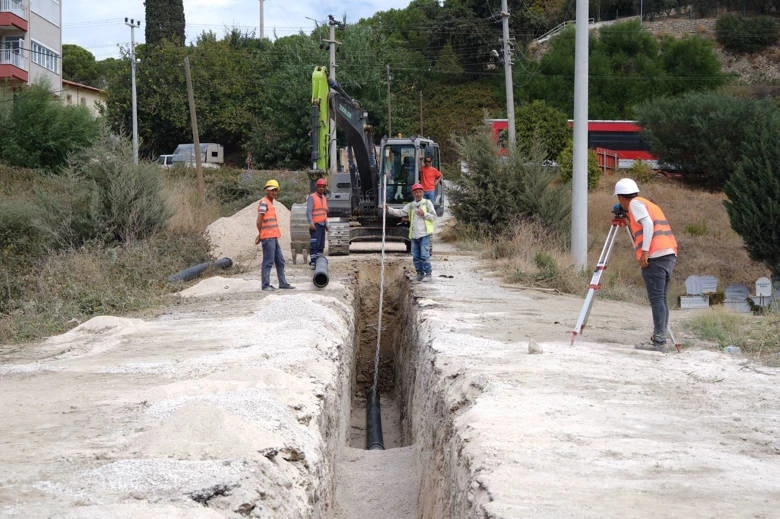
x: 31, y: 42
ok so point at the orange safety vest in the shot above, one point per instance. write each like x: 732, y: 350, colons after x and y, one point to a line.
x: 663, y: 238
x: 319, y: 208
x: 269, y: 226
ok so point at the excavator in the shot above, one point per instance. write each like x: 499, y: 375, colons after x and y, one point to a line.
x: 357, y: 191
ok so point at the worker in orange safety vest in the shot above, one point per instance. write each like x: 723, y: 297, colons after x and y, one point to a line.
x: 268, y: 234
x: 317, y: 214
x: 656, y: 252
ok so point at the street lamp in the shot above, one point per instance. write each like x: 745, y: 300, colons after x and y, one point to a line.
x: 133, y: 24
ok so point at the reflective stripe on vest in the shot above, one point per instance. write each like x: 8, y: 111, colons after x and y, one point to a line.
x: 269, y: 227
x: 663, y: 238
x: 319, y: 208
x: 412, y: 215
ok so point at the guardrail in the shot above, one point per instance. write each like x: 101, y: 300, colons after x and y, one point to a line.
x: 555, y: 30
x: 12, y: 6
x: 13, y: 57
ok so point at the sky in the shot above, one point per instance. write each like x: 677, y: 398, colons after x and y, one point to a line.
x: 99, y: 26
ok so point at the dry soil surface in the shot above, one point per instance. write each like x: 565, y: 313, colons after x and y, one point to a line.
x: 237, y: 403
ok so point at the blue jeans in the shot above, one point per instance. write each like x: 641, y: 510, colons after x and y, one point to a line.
x: 272, y: 254
x: 421, y: 254
x: 657, y: 276
x: 316, y: 242
x: 430, y: 195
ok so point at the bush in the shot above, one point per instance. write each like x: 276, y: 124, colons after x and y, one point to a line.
x: 566, y: 162
x: 497, y: 192
x: 746, y: 34
x: 102, y: 195
x: 37, y: 131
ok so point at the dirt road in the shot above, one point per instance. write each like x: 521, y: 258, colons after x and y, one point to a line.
x: 236, y: 403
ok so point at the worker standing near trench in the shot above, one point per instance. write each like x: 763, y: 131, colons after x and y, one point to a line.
x: 656, y: 252
x: 421, y: 214
x: 317, y: 214
x: 268, y: 234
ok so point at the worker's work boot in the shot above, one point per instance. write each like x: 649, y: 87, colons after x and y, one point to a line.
x: 652, y: 346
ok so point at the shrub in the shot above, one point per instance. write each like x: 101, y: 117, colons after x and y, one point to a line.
x: 497, y: 192
x: 37, y: 131
x: 104, y: 196
x: 566, y: 162
x: 746, y: 34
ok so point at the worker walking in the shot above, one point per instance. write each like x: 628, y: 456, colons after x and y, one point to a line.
x: 317, y: 214
x: 421, y: 214
x: 268, y: 234
x: 656, y: 252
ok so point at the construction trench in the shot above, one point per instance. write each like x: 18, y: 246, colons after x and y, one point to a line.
x: 388, y: 481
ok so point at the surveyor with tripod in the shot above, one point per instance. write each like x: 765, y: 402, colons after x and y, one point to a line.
x: 656, y: 252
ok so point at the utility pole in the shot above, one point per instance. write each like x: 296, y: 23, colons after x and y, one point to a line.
x: 261, y: 20
x: 510, y: 96
x: 389, y: 114
x: 579, y: 182
x: 133, y: 24
x: 332, y: 43
x: 195, y: 133
x: 421, y: 115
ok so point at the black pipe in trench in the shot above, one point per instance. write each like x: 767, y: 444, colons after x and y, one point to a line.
x: 374, y: 440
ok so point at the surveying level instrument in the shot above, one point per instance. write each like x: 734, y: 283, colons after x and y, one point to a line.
x: 619, y: 219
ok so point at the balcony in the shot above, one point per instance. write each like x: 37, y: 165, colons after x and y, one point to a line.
x: 12, y: 15
x: 13, y: 66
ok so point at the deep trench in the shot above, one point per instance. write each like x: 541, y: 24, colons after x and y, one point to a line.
x: 369, y: 481
x: 390, y: 389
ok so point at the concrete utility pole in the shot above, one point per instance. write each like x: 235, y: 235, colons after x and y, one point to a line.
x: 579, y: 183
x: 510, y: 96
x: 332, y: 43
x: 262, y: 35
x: 133, y: 24
x: 389, y: 114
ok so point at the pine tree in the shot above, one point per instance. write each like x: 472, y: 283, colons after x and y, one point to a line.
x: 754, y: 193
x: 164, y: 21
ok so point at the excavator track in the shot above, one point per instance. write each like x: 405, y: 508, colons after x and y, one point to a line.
x: 299, y: 232
x: 338, y: 238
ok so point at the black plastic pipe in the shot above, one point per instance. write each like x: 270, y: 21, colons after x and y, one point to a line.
x: 196, y: 270
x: 321, y: 278
x: 374, y: 439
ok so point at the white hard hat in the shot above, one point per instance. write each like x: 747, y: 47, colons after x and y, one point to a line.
x: 626, y: 186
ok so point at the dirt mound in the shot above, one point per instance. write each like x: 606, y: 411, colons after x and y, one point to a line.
x: 234, y: 236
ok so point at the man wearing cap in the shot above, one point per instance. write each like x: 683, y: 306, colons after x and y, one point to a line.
x: 268, y: 234
x: 317, y: 214
x: 421, y: 214
x: 656, y: 252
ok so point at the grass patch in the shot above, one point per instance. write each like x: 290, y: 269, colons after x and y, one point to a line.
x: 756, y: 335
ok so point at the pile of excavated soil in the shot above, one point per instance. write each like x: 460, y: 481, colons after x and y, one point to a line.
x: 234, y: 236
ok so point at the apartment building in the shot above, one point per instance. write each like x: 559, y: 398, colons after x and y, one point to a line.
x: 31, y: 42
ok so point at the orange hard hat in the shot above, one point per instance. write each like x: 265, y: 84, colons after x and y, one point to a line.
x: 417, y: 186
x: 321, y: 182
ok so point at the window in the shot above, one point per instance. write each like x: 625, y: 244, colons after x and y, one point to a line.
x: 45, y: 57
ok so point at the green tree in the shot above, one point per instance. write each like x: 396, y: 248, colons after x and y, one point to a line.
x: 566, y: 164
x: 37, y: 131
x: 754, y: 191
x: 79, y: 65
x: 537, y: 122
x: 626, y: 67
x: 164, y: 22
x: 690, y: 64
x: 495, y: 192
x: 700, y: 135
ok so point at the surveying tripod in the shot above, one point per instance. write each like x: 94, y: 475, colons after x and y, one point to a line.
x: 619, y: 219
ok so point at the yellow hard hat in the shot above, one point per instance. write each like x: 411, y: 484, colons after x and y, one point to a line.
x: 272, y: 184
